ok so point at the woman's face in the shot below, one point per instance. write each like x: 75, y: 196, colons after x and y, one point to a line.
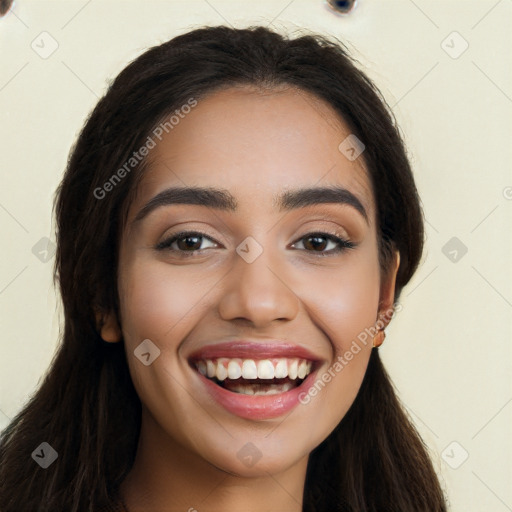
x: 261, y: 284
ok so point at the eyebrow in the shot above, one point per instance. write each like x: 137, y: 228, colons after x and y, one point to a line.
x: 221, y: 199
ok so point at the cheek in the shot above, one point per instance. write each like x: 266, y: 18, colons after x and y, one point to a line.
x: 344, y: 300
x: 157, y: 301
x: 344, y: 304
x: 162, y: 304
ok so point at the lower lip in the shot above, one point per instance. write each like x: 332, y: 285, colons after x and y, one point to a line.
x: 255, y: 407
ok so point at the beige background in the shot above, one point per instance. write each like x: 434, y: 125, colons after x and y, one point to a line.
x: 449, y: 349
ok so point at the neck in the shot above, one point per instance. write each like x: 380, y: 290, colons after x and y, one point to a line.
x: 168, y: 477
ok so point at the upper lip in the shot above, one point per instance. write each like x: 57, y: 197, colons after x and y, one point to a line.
x: 248, y: 349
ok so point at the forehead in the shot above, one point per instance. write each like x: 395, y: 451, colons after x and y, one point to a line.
x: 256, y: 144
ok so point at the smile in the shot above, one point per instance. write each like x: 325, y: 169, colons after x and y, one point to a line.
x: 255, y: 377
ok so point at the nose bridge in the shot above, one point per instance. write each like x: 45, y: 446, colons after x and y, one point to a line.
x: 257, y: 289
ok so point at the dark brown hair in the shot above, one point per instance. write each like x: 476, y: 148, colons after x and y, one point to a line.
x: 86, y: 407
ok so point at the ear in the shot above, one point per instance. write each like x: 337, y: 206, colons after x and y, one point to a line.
x: 387, y: 289
x: 108, y: 326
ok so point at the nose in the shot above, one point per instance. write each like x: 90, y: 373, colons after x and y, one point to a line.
x: 258, y: 292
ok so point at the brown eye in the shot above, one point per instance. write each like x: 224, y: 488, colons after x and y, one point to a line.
x: 185, y: 242
x: 318, y: 242
x: 189, y: 242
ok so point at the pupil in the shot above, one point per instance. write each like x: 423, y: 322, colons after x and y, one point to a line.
x: 318, y: 241
x: 192, y: 244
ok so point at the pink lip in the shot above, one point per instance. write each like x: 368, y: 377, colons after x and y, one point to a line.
x: 252, y: 350
x: 250, y: 406
x: 254, y: 407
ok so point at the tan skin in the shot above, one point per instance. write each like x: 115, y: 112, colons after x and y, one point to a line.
x: 255, y: 145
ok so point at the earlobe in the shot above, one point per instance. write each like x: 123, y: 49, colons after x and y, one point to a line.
x: 108, y: 327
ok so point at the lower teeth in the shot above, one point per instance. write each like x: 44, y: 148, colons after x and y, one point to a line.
x: 258, y: 388
x: 261, y: 389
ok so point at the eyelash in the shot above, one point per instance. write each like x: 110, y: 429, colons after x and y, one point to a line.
x: 343, y: 244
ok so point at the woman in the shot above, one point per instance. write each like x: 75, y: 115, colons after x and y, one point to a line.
x: 235, y: 226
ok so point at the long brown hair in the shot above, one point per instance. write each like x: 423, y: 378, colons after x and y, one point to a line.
x: 86, y: 407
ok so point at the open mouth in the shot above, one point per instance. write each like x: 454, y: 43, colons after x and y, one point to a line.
x: 253, y: 376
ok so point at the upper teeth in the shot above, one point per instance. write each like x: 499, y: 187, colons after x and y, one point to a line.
x: 224, y: 367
